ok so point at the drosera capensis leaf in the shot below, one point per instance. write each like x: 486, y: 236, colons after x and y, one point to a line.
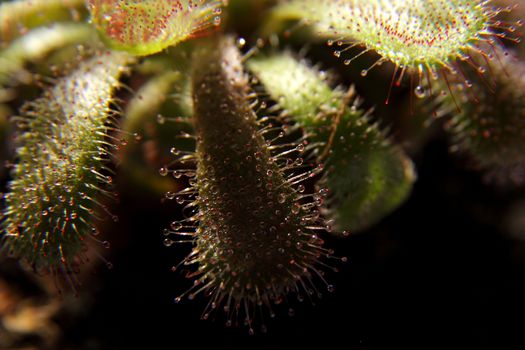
x: 367, y: 176
x: 144, y: 27
x: 160, y: 109
x: 38, y: 43
x: 253, y: 227
x: 149, y: 99
x: 489, y: 127
x: 427, y: 38
x: 63, y: 150
x: 17, y: 17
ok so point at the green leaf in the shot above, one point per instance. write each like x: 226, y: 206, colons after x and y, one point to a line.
x: 490, y: 126
x: 254, y: 242
x: 17, y: 17
x: 368, y: 176
x: 62, y: 155
x: 425, y: 37
x: 144, y: 27
x: 159, y: 112
x: 38, y: 43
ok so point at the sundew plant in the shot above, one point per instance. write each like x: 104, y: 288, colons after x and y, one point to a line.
x: 255, y: 140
